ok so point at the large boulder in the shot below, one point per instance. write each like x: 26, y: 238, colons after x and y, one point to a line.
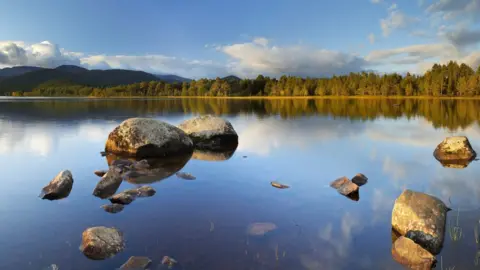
x: 144, y: 137
x: 422, y: 218
x: 100, y: 243
x: 406, y: 252
x: 59, y: 187
x: 210, y: 132
x: 454, y: 150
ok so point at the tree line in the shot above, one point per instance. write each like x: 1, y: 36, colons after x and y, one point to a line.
x: 450, y: 80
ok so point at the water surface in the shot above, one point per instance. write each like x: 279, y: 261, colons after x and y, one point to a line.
x: 202, y: 223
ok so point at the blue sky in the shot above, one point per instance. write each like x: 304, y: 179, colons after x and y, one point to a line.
x: 214, y: 37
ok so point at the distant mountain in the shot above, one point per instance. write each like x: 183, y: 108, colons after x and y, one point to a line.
x: 172, y: 78
x: 231, y: 78
x: 29, y: 78
x: 15, y: 71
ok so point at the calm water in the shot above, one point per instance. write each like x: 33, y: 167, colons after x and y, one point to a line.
x: 303, y: 143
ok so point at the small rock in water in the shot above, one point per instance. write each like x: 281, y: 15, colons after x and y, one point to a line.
x: 339, y: 182
x: 99, y: 243
x: 278, y: 185
x: 169, y: 261
x: 260, y: 228
x: 108, y: 185
x: 136, y: 263
x: 103, y: 154
x: 113, y: 208
x: 185, y: 176
x: 100, y: 173
x: 122, y: 198
x: 347, y: 188
x: 145, y: 191
x: 359, y: 179
x: 59, y: 187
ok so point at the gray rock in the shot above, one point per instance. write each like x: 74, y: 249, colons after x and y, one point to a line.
x: 406, y: 252
x: 52, y: 267
x: 144, y: 137
x: 145, y: 191
x: 454, y: 149
x: 210, y: 132
x: 113, y: 208
x: 347, y: 188
x: 99, y: 243
x: 422, y: 218
x: 108, y: 185
x: 123, y: 198
x: 129, y: 195
x: 359, y: 179
x: 185, y: 176
x: 339, y: 182
x: 59, y: 187
x: 136, y: 263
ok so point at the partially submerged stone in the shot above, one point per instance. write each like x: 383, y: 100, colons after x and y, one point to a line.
x: 113, y: 208
x: 144, y: 138
x: 100, y: 173
x: 278, y: 185
x: 406, y: 252
x: 136, y: 263
x: 347, y: 188
x: 422, y: 218
x: 108, y: 185
x: 59, y: 188
x: 100, y: 243
x: 359, y: 179
x: 210, y: 132
x: 129, y: 195
x: 260, y: 228
x: 339, y: 182
x: 185, y: 176
x: 167, y: 260
x: 123, y: 198
x: 454, y: 149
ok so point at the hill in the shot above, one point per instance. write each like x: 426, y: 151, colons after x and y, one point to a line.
x: 15, y: 71
x: 231, y: 79
x: 172, y: 78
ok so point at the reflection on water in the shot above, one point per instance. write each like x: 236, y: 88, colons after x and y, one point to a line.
x: 203, y: 224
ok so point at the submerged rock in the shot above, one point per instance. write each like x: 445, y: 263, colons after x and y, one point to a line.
x: 100, y: 173
x: 347, y: 188
x: 278, y: 185
x: 454, y: 149
x: 145, y: 191
x: 260, y: 228
x: 59, y: 188
x: 123, y: 198
x: 210, y: 132
x: 99, y: 243
x: 339, y: 182
x: 129, y: 195
x: 359, y: 179
x: 167, y: 260
x: 144, y: 137
x: 108, y: 185
x: 408, y: 253
x: 113, y: 208
x: 136, y: 263
x: 52, y: 267
x: 422, y: 218
x: 185, y: 176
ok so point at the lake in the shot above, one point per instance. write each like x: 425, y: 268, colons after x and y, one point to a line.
x: 202, y: 223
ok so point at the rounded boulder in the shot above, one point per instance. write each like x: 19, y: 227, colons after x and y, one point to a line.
x: 210, y: 132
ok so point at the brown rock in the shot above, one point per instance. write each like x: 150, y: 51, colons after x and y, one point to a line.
x: 100, y: 173
x: 113, y: 208
x: 144, y: 137
x: 99, y: 243
x: 136, y: 263
x: 59, y: 187
x: 278, y: 185
x: 420, y: 217
x: 455, y: 149
x: 411, y: 255
x: 347, y: 188
x: 359, y: 179
x: 339, y: 182
x: 108, y: 185
x: 169, y: 261
x: 123, y: 198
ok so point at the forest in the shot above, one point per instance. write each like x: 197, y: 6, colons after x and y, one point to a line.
x: 450, y: 80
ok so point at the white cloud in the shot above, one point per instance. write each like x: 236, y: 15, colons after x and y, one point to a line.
x: 371, y: 38
x: 396, y: 19
x: 453, y: 9
x: 252, y: 58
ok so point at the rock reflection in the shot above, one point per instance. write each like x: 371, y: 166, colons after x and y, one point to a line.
x: 222, y: 155
x: 455, y: 164
x: 158, y: 169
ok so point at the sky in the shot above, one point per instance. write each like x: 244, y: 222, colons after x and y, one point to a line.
x: 211, y: 38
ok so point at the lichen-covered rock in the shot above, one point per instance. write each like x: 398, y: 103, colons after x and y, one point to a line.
x: 339, y: 182
x: 136, y: 263
x: 406, y: 252
x: 454, y: 149
x: 359, y: 179
x: 144, y: 137
x: 210, y: 132
x: 108, y: 185
x: 59, y: 187
x: 422, y: 218
x: 113, y: 208
x: 99, y: 243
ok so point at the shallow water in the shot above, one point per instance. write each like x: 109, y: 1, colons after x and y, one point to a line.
x: 203, y: 223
